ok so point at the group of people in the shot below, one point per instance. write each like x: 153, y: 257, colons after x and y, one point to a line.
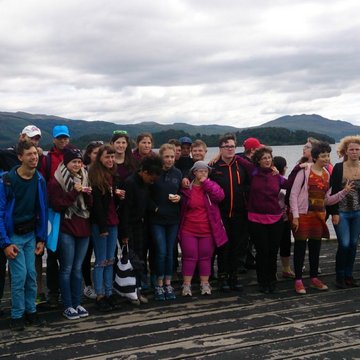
x: 111, y: 197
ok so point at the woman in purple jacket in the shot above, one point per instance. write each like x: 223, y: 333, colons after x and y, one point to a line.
x: 265, y: 215
x: 201, y: 227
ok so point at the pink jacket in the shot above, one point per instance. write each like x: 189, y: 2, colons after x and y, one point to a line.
x: 213, y: 195
x: 299, y: 196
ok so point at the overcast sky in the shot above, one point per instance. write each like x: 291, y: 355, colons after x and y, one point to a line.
x: 232, y: 62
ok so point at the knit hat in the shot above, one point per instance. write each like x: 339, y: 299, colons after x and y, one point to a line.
x: 199, y: 165
x: 71, y: 154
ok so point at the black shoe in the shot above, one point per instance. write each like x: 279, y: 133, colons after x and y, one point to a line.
x: 250, y: 266
x: 224, y: 283
x: 340, y: 283
x: 53, y: 300
x: 242, y: 270
x: 114, y: 301
x: 1, y: 311
x: 34, y: 320
x: 273, y: 288
x: 351, y: 282
x: 103, y: 305
x: 17, y: 324
x: 236, y: 284
x: 264, y: 289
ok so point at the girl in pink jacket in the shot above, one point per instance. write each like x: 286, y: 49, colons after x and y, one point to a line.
x: 201, y: 227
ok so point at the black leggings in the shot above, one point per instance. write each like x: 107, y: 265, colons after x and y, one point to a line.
x: 299, y: 256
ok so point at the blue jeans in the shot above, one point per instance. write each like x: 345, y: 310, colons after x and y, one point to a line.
x: 164, y: 237
x: 71, y: 252
x: 23, y: 276
x: 104, y: 248
x: 347, y: 232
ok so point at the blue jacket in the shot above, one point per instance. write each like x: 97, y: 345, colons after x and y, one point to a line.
x: 7, y: 203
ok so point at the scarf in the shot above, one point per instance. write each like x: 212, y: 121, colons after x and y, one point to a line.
x: 66, y: 181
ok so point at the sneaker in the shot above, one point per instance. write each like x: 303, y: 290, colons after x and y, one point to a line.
x: 82, y: 312
x: 340, y: 283
x: 40, y: 299
x: 299, y: 287
x: 114, y: 301
x: 351, y: 282
x: 89, y: 292
x: 33, y: 319
x: 71, y: 314
x: 17, y: 324
x: 159, y: 293
x: 142, y: 298
x: 103, y: 305
x: 205, y: 289
x: 224, y: 283
x: 53, y: 300
x: 186, y: 290
x: 317, y: 284
x: 169, y: 292
x: 288, y: 275
x: 236, y: 284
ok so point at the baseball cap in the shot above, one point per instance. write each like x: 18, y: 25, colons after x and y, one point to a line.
x: 31, y: 131
x: 60, y: 130
x: 185, y: 140
x: 251, y: 143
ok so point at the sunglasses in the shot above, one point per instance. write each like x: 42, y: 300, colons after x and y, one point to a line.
x: 120, y: 132
x: 96, y: 143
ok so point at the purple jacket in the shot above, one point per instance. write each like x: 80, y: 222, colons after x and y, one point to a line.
x: 213, y: 195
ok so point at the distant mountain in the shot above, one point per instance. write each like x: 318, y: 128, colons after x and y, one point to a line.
x: 315, y: 123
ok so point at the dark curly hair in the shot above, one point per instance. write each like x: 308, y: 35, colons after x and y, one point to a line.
x: 258, y: 154
x: 321, y: 147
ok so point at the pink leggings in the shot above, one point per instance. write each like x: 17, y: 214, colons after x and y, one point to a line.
x: 196, y: 250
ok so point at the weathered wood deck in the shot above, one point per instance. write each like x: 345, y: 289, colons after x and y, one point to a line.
x: 319, y: 325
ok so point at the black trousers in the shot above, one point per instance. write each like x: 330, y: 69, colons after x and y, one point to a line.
x: 266, y: 238
x: 52, y: 272
x: 285, y: 241
x: 232, y: 255
x: 299, y: 257
x: 86, y: 265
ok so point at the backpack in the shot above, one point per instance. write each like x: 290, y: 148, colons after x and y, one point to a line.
x: 4, y: 178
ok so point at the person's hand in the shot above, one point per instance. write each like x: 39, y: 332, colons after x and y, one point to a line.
x: 174, y: 198
x: 349, y: 186
x: 275, y: 171
x: 203, y: 178
x: 303, y: 165
x: 11, y: 251
x: 78, y: 187
x: 120, y: 193
x: 335, y: 219
x: 40, y: 150
x: 295, y: 224
x: 104, y: 234
x: 39, y: 248
x: 214, y: 159
x: 185, y: 183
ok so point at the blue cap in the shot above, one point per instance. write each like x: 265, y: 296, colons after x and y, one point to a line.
x: 185, y: 140
x: 60, y: 130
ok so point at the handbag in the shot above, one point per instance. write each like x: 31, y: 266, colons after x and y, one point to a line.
x: 125, y: 276
x: 53, y: 229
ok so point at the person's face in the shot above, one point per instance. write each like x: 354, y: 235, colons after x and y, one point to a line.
x: 148, y: 178
x: 107, y: 160
x: 29, y: 158
x: 145, y: 146
x: 265, y: 161
x: 185, y: 149
x: 168, y: 158
x: 353, y: 151
x: 201, y: 174
x: 323, y: 159
x: 198, y: 153
x: 177, y: 152
x: 93, y: 154
x: 227, y: 150
x: 120, y: 145
x: 307, y: 150
x: 74, y: 166
x: 33, y: 140
x: 61, y: 141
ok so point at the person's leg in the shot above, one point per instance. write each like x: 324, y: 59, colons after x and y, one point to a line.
x: 190, y: 256
x: 159, y: 236
x: 86, y: 266
x: 17, y: 268
x: 111, y: 242
x: 285, y: 250
x: 171, y: 232
x: 3, y: 261
x: 223, y: 255
x: 66, y: 251
x: 81, y: 246
x: 299, y: 257
x: 275, y: 232
x: 206, y: 248
x: 354, y: 239
x: 342, y: 231
x: 99, y: 243
x: 39, y: 269
x: 314, y: 255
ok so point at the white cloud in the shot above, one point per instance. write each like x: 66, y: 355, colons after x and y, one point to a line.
x: 207, y: 61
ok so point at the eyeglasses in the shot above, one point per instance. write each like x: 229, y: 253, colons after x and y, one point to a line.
x: 228, y: 147
x: 307, y: 147
x: 120, y: 132
x: 95, y: 143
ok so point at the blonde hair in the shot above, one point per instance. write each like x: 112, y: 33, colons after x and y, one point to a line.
x: 199, y: 143
x: 165, y: 147
x: 344, y: 144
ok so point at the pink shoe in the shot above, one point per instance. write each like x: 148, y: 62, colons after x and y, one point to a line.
x: 299, y: 287
x: 317, y: 284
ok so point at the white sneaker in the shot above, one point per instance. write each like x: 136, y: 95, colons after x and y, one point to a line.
x: 71, y: 314
x: 82, y: 312
x: 89, y: 292
x: 186, y: 290
x: 205, y: 289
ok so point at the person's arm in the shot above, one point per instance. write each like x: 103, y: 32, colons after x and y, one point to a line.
x: 294, y: 198
x: 213, y: 190
x: 246, y: 164
x: 60, y: 200
x: 4, y: 239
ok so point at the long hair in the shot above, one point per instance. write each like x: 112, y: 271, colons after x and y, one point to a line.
x: 130, y: 162
x: 99, y: 175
